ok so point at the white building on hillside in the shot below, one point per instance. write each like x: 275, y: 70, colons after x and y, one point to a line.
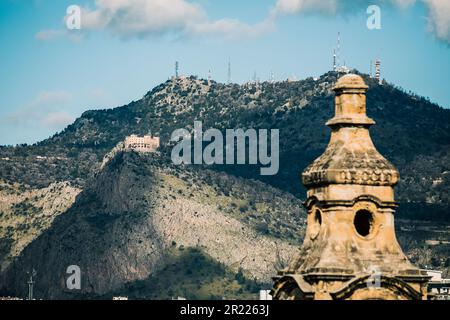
x: 142, y: 144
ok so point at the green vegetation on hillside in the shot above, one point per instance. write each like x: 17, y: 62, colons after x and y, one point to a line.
x: 411, y: 131
x: 191, y: 274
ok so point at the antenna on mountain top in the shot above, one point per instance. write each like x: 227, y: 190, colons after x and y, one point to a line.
x: 334, y: 60
x: 378, y: 71
x: 337, y: 66
x: 229, y: 71
x: 272, y: 77
x: 177, y: 69
x: 209, y: 75
x: 338, y: 53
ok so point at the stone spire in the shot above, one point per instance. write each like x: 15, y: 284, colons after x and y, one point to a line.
x: 351, y: 157
x: 350, y: 250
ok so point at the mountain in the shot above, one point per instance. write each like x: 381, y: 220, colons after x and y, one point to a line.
x: 26, y: 212
x: 139, y: 216
x: 411, y: 131
x: 141, y: 226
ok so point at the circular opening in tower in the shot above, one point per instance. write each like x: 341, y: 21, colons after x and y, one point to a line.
x: 363, y: 222
x: 317, y: 217
x: 315, y: 224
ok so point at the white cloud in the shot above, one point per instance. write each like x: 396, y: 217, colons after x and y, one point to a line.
x: 438, y: 10
x: 333, y: 7
x: 45, y: 108
x: 285, y: 7
x: 52, y: 34
x: 140, y: 18
x: 98, y: 93
x: 404, y: 3
x: 49, y: 99
x: 439, y: 18
x: 40, y: 117
x: 128, y: 18
x: 231, y: 28
x: 101, y: 98
x: 46, y: 35
x: 57, y: 119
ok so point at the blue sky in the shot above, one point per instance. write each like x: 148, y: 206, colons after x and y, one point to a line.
x: 50, y: 75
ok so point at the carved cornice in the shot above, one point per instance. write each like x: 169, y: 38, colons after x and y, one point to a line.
x: 392, y: 283
x: 313, y: 200
x: 350, y: 167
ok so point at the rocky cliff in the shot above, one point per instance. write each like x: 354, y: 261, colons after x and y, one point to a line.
x: 136, y: 210
x: 139, y: 218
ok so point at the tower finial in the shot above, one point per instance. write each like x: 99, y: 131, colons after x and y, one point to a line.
x: 350, y: 102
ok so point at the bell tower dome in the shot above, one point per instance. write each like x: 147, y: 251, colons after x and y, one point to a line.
x: 350, y: 250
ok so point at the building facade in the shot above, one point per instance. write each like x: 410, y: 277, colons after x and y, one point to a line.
x: 438, y: 288
x: 350, y: 250
x: 142, y: 144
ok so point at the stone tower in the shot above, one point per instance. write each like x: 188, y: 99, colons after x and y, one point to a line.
x: 350, y: 249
